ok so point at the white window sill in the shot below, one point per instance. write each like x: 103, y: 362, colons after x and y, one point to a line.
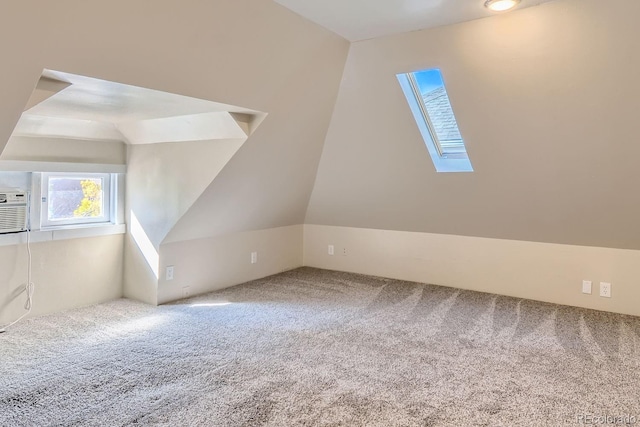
x: 63, y: 233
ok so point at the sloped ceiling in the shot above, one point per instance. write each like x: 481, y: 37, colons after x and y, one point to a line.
x: 547, y: 100
x: 45, y: 89
x: 70, y: 106
x: 366, y: 19
x: 255, y: 54
x: 164, y: 180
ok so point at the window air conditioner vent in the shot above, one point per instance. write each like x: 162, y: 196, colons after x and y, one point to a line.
x: 14, y: 211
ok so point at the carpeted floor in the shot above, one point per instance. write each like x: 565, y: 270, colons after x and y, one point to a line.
x: 318, y: 348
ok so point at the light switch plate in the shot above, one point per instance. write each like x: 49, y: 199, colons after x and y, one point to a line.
x: 586, y: 286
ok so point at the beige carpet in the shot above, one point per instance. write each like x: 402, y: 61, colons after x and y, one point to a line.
x: 319, y: 348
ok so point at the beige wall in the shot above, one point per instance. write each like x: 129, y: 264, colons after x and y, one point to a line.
x: 250, y: 53
x: 139, y: 280
x: 66, y: 273
x: 64, y: 150
x: 546, y: 99
x: 205, y: 265
x: 538, y: 271
x: 163, y: 181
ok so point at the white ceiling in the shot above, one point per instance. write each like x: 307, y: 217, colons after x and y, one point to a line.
x: 77, y: 107
x: 87, y: 98
x: 365, y: 19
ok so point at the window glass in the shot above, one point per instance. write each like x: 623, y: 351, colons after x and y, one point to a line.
x: 429, y: 102
x: 75, y: 199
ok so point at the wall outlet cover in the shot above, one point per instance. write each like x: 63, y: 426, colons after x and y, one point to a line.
x: 169, y: 272
x: 605, y: 289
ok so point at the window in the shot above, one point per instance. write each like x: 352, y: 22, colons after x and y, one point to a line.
x: 427, y: 97
x: 75, y: 198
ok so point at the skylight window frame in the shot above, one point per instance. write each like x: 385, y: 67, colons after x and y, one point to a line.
x: 442, y: 160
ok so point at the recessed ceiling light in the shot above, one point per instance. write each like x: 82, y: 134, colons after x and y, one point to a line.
x: 500, y: 5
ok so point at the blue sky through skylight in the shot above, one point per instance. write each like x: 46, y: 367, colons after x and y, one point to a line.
x: 428, y: 80
x: 427, y: 97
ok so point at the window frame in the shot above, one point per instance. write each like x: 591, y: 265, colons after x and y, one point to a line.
x: 108, y: 202
x: 442, y: 160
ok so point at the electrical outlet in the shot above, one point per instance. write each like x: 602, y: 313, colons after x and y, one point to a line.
x: 586, y: 287
x: 186, y: 292
x: 169, y: 273
x: 344, y: 251
x: 605, y: 289
x: 331, y: 250
x: 254, y: 257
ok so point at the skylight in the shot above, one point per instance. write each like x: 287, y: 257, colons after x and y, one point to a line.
x: 427, y: 97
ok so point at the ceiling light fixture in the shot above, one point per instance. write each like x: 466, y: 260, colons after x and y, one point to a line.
x: 500, y: 5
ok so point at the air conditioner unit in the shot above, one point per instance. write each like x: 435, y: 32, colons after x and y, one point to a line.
x: 14, y: 211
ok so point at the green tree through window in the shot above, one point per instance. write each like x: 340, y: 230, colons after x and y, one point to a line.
x: 91, y: 204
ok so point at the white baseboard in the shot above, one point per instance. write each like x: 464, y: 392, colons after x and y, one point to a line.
x: 538, y: 271
x: 206, y: 265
